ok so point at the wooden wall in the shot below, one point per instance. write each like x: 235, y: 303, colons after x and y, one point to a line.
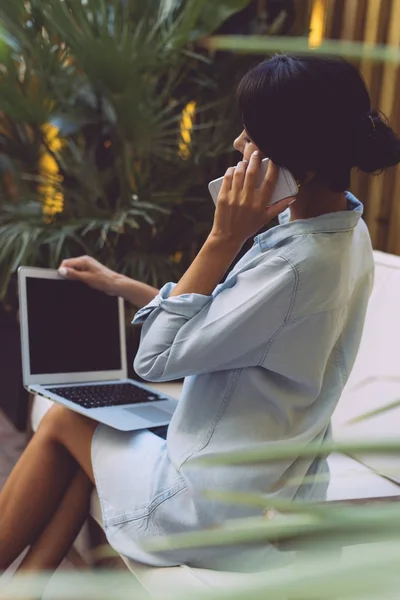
x: 374, y: 22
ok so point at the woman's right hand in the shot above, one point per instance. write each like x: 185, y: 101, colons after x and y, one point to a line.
x: 88, y: 270
x: 242, y: 208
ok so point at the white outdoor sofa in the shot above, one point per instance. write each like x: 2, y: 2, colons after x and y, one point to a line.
x: 374, y: 382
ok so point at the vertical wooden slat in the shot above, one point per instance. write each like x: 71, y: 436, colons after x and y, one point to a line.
x: 374, y: 22
x: 371, y: 36
x: 317, y: 23
x: 352, y: 14
x: 393, y: 244
x: 331, y: 7
x: 349, y: 19
x: 385, y: 198
x: 353, y: 17
x: 387, y: 105
x: 390, y: 70
x: 335, y: 30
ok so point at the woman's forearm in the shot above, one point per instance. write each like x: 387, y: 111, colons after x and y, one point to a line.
x: 135, y: 292
x: 202, y: 277
x: 209, y: 267
x: 204, y: 274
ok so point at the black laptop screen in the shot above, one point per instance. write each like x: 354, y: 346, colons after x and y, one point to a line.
x: 72, y: 328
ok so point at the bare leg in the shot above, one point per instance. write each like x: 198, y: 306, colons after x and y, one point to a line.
x: 48, y: 551
x: 39, y: 481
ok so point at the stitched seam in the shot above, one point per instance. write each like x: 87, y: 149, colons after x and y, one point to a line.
x: 322, y: 312
x: 206, y: 439
x: 148, y: 510
x: 295, y: 288
x: 302, y: 234
x: 340, y: 362
x: 289, y: 321
x: 261, y: 263
x: 289, y: 311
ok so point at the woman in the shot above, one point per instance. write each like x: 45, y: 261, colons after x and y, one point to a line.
x: 265, y: 354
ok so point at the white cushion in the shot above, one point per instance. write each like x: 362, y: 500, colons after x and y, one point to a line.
x: 375, y: 379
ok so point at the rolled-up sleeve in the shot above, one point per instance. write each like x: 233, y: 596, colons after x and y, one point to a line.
x: 193, y: 334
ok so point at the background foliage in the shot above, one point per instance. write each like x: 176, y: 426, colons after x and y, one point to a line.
x: 97, y: 153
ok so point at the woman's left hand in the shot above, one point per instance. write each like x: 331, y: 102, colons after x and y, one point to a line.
x: 242, y: 210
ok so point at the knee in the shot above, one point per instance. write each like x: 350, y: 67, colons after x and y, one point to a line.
x: 58, y: 422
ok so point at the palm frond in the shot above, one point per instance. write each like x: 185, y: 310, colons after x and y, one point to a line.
x: 112, y: 78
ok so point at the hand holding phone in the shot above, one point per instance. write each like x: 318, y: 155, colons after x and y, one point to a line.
x: 285, y: 187
x: 242, y: 208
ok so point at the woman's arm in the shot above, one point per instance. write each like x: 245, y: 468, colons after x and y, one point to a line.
x: 89, y: 271
x: 241, y: 211
x: 185, y: 330
x: 192, y: 334
x: 135, y: 292
x: 208, y: 268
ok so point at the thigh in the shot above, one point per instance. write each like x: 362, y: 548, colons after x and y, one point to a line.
x: 74, y: 432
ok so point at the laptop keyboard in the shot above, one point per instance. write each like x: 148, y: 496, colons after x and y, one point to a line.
x: 109, y: 394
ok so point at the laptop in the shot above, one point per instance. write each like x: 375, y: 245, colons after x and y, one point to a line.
x: 74, y: 353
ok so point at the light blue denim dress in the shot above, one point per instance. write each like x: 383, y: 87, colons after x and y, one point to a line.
x: 265, y: 359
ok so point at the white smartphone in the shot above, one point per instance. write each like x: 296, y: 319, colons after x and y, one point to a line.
x: 286, y: 185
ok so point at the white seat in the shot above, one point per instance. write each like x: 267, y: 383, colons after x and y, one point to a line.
x: 375, y: 380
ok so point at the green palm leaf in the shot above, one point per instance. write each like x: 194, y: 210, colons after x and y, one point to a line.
x: 115, y: 75
x: 284, y: 450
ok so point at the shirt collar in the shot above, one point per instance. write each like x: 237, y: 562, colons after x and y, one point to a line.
x: 327, y: 223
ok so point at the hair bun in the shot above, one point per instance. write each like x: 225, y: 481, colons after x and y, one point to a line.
x: 376, y: 146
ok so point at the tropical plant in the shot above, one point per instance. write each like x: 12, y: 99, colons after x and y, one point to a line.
x: 110, y: 124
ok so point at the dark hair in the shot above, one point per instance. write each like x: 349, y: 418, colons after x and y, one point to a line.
x: 309, y: 113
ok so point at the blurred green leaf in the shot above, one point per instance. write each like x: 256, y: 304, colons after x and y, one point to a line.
x: 345, y: 524
x: 265, y: 45
x: 377, y: 411
x: 284, y: 450
x: 370, y: 572
x: 266, y: 502
x: 75, y: 585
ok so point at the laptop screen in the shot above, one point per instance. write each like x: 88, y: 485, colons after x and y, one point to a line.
x: 72, y: 328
